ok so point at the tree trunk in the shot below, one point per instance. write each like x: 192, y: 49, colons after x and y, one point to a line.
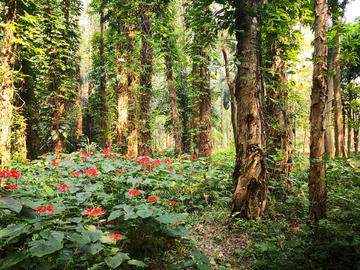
x: 173, y: 104
x: 317, y: 184
x: 250, y: 197
x: 146, y: 56
x: 356, y: 134
x: 338, y: 116
x: 349, y: 129
x: 78, y: 106
x: 329, y: 142
x: 230, y: 84
x: 7, y: 86
x: 102, y: 89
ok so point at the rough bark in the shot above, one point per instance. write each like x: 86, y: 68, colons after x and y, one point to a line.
x: 102, y: 89
x: 277, y: 114
x: 338, y: 116
x: 78, y: 106
x: 173, y: 104
x: 146, y: 56
x: 329, y: 141
x: 7, y: 86
x: 349, y: 130
x: 250, y: 197
x: 317, y: 185
x: 356, y: 134
x: 231, y: 86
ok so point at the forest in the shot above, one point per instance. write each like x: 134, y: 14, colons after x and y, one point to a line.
x: 179, y: 134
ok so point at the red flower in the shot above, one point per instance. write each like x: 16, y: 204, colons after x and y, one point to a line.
x: 158, y: 162
x: 95, y: 165
x: 170, y: 170
x: 91, y: 171
x: 181, y: 174
x: 94, y: 212
x: 172, y: 202
x: 63, y: 187
x: 44, y: 209
x: 9, y: 173
x: 216, y: 167
x: 134, y: 192
x: 182, y: 158
x: 55, y: 164
x: 114, y: 236
x: 44, y: 155
x: 353, y: 170
x: 22, y: 202
x: 207, y: 152
x: 192, y: 156
x: 75, y: 173
x: 192, y: 171
x: 83, y: 159
x: 123, y: 170
x: 299, y: 192
x: 221, y: 161
x: 146, y: 153
x: 13, y: 186
x: 153, y: 198
x: 1, y: 196
x: 85, y: 154
x: 58, y: 148
x: 92, y: 149
x: 167, y: 161
x: 160, y: 153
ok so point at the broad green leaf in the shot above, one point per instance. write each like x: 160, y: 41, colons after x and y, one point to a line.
x: 48, y: 189
x: 144, y: 213
x: 11, y: 204
x: 82, y: 196
x: 204, y: 267
x: 52, y: 235
x: 199, y: 256
x: 130, y: 215
x: 115, y: 214
x: 41, y: 247
x: 75, y: 220
x: 189, y: 263
x: 137, y: 263
x: 14, y: 230
x: 107, y: 167
x: 115, y: 261
x: 13, y: 259
x: 94, y: 235
x: 167, y: 219
x: 90, y: 248
x: 79, y: 238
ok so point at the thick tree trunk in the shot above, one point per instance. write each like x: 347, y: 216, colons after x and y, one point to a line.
x: 146, y: 55
x: 250, y: 197
x: 195, y: 104
x: 79, y: 106
x: 349, y: 139
x: 205, y: 138
x: 102, y: 89
x: 317, y: 184
x: 329, y: 142
x: 278, y: 122
x: 338, y: 116
x: 230, y: 84
x: 356, y: 134
x: 173, y: 104
x: 7, y: 86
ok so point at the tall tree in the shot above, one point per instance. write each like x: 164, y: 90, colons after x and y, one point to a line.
x: 146, y: 59
x: 250, y: 197
x: 7, y: 80
x: 317, y: 184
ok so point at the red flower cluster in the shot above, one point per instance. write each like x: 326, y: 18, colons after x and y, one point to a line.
x: 63, y: 187
x: 160, y: 153
x: 9, y: 173
x: 108, y: 149
x: 145, y: 160
x: 91, y: 171
x: 158, y: 162
x: 83, y: 159
x: 123, y: 170
x: 94, y: 212
x: 55, y: 164
x: 134, y: 192
x: 114, y: 236
x: 167, y: 161
x: 44, y: 155
x: 172, y: 202
x: 192, y: 171
x: 221, y: 161
x: 58, y: 148
x: 85, y: 154
x: 111, y: 155
x: 207, y: 152
x: 152, y: 198
x: 4, y: 197
x: 170, y: 170
x: 182, y: 158
x: 299, y: 192
x: 192, y: 156
x: 146, y: 153
x: 75, y: 173
x: 13, y: 186
x: 44, y: 209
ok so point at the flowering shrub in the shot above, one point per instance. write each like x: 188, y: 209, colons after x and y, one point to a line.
x: 92, y: 172
x: 63, y: 187
x: 43, y: 209
x: 94, y: 212
x: 114, y: 236
x: 134, y: 192
x: 9, y: 173
x: 152, y: 198
x: 13, y: 186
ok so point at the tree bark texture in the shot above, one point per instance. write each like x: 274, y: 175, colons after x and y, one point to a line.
x: 329, y: 141
x: 250, y: 197
x: 349, y: 138
x: 277, y: 114
x: 7, y: 86
x: 317, y: 184
x: 79, y: 106
x: 231, y: 86
x: 146, y: 56
x: 338, y: 116
x: 173, y: 104
x: 102, y: 89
